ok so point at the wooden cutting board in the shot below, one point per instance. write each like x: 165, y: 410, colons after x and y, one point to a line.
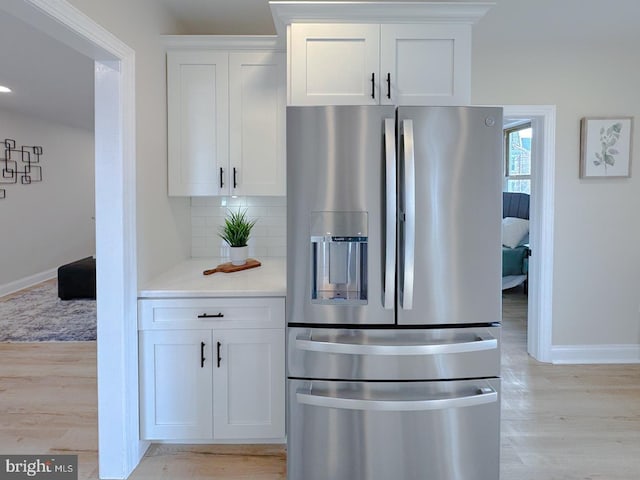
x: 230, y: 268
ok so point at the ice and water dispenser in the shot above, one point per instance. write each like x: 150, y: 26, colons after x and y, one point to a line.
x: 339, y: 258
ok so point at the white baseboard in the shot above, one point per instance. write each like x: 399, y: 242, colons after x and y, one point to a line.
x: 593, y: 354
x: 27, y: 282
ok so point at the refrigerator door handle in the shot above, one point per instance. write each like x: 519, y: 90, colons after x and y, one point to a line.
x: 371, y: 349
x: 390, y: 219
x: 482, y: 396
x: 409, y: 192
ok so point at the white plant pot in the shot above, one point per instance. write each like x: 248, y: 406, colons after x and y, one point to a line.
x: 239, y: 255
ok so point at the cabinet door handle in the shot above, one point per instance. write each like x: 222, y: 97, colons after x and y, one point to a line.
x: 221, y: 181
x: 219, y: 357
x: 235, y: 177
x: 202, y: 359
x: 388, y: 85
x: 206, y: 315
x: 373, y: 85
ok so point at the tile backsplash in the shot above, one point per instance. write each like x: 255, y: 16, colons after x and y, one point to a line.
x: 268, y: 237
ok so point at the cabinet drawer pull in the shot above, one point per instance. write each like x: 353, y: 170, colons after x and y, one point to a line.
x: 219, y: 357
x: 206, y: 315
x: 373, y: 85
x: 202, y: 359
x: 235, y: 177
x: 221, y: 173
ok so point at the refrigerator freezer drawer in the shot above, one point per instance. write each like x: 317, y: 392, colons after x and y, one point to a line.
x: 446, y: 430
x: 398, y: 354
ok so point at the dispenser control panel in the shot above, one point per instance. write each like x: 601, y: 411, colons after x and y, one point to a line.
x: 339, y: 258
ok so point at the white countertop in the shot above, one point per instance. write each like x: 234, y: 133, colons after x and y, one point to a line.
x: 186, y: 280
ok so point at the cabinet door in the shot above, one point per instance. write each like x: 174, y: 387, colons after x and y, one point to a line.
x: 248, y: 396
x: 176, y: 384
x: 257, y: 100
x: 197, y: 112
x: 426, y: 64
x: 334, y: 64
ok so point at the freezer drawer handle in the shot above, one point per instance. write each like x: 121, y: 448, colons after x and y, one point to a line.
x: 482, y: 396
x: 368, y: 349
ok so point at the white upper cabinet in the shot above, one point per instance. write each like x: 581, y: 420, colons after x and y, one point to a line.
x: 226, y: 117
x: 257, y: 96
x: 388, y: 64
x: 334, y: 64
x: 425, y: 64
x: 378, y: 53
x: 198, y: 121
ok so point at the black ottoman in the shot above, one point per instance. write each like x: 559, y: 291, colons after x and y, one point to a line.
x: 77, y: 279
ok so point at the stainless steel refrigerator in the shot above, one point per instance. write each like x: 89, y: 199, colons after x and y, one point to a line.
x: 393, y: 292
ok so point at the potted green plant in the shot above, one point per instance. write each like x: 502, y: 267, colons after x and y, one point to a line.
x: 236, y: 231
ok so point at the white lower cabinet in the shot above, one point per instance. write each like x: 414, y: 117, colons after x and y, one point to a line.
x: 175, y: 386
x: 248, y: 394
x: 211, y: 372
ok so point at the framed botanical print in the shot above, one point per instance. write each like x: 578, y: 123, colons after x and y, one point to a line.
x: 605, y: 147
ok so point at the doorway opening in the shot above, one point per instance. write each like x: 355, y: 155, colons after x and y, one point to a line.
x: 516, y: 248
x: 538, y: 176
x: 119, y: 446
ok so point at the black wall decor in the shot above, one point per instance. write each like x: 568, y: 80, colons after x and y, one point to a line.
x: 19, y: 163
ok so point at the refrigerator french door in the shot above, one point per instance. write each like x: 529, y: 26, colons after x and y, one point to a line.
x: 450, y: 215
x: 393, y: 294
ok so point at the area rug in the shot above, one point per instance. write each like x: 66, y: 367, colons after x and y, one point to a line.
x: 38, y: 315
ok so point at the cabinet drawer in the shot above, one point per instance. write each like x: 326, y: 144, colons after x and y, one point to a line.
x: 168, y: 314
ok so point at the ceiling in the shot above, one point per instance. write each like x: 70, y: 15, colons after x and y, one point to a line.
x: 579, y: 21
x: 49, y: 80
x: 221, y: 17
x: 53, y: 82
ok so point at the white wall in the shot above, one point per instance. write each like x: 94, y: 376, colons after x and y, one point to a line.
x: 49, y: 223
x: 539, y: 53
x: 164, y: 231
x: 268, y: 236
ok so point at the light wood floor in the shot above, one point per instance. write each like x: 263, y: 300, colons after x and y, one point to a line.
x: 558, y: 422
x: 48, y: 401
x: 577, y: 422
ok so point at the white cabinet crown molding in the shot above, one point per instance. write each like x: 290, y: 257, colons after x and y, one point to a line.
x: 286, y: 12
x: 224, y: 42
